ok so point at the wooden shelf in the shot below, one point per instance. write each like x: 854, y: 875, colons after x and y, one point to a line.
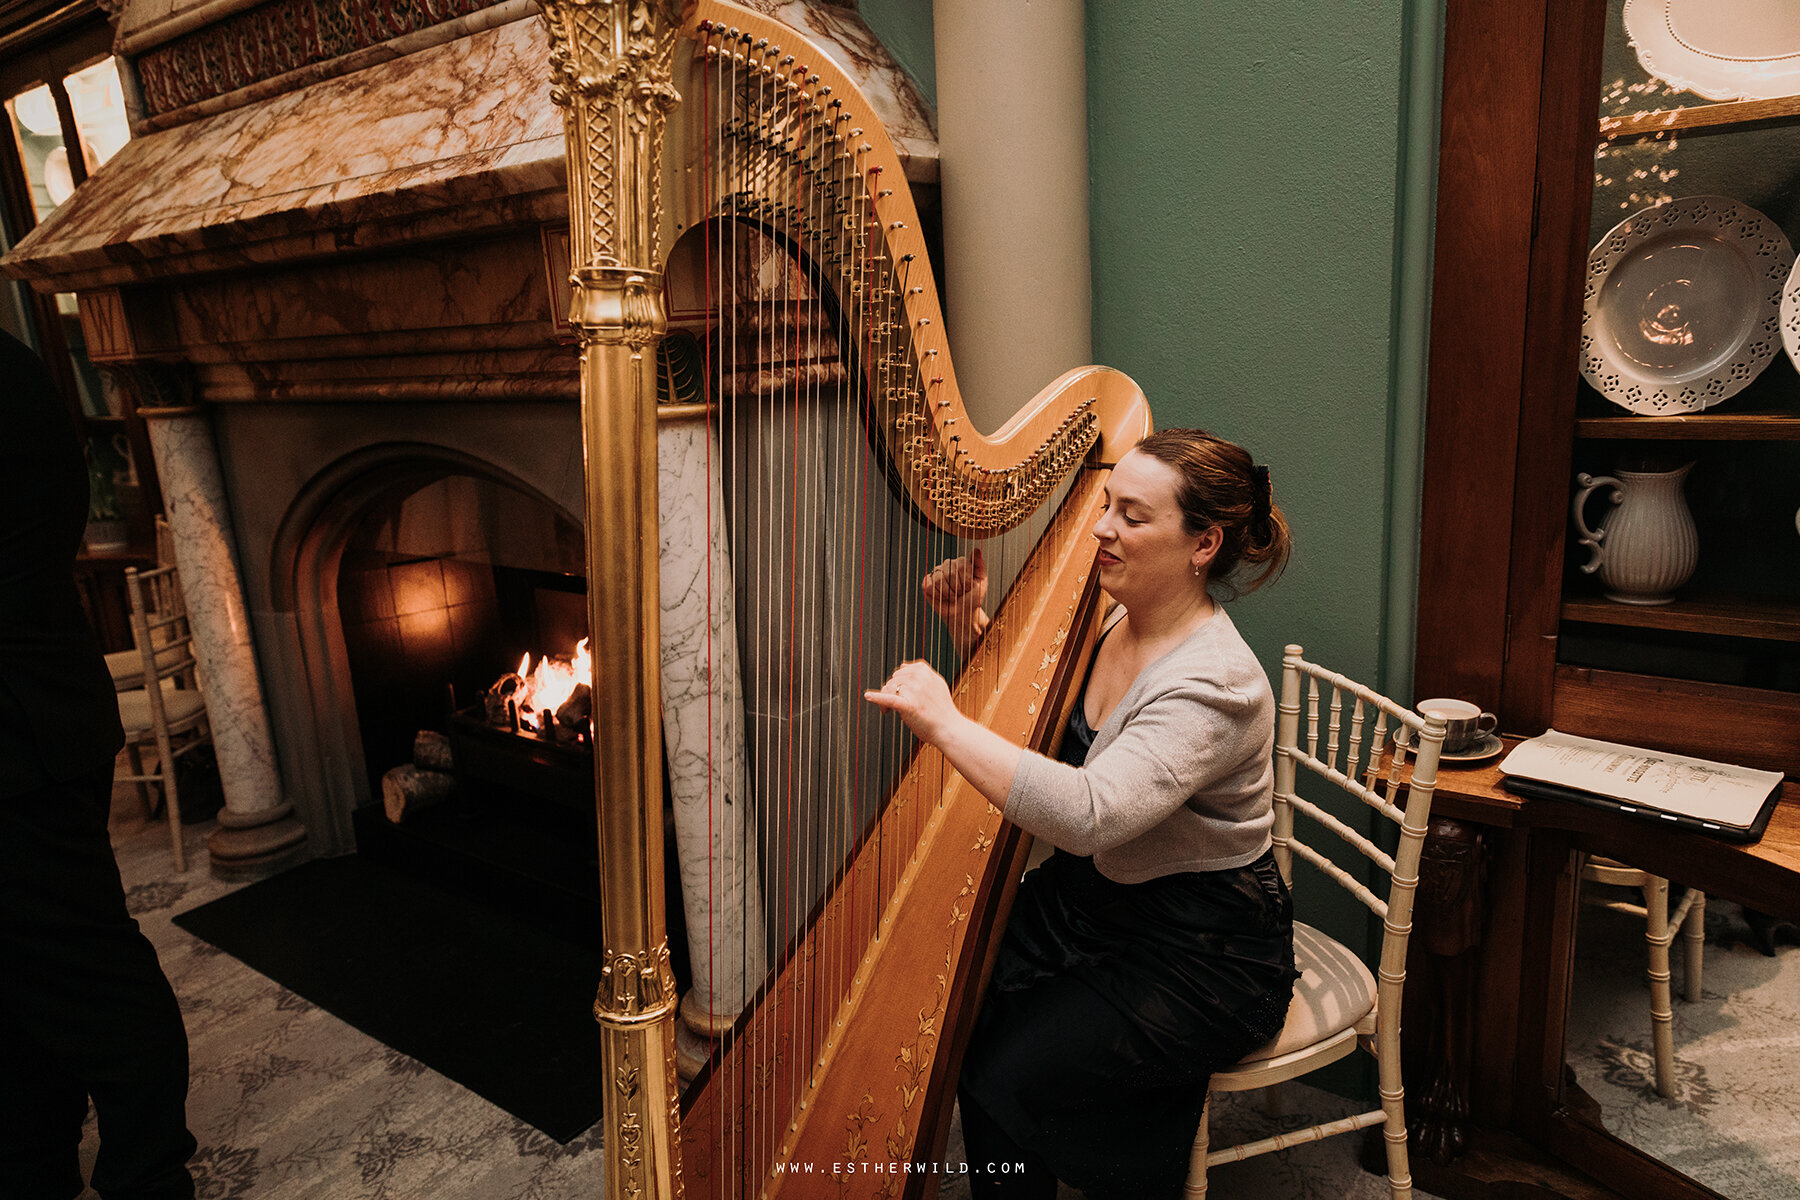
x: 1732, y: 616
x: 1699, y: 116
x: 1710, y: 427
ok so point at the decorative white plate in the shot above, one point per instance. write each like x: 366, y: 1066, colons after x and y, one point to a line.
x: 1790, y: 317
x: 1720, y: 49
x: 1683, y: 304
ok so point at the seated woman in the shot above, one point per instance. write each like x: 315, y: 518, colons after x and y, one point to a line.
x: 1155, y: 945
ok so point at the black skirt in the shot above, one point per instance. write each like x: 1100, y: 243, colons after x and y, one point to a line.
x: 1112, y: 1004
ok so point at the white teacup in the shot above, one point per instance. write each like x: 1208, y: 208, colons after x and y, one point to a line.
x: 1464, y: 723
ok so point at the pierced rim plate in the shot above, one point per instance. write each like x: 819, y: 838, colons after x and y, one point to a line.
x: 1790, y: 321
x: 1683, y: 304
x: 1719, y: 49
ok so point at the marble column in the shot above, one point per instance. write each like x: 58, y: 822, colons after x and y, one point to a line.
x: 703, y: 740
x: 1012, y: 151
x: 258, y: 834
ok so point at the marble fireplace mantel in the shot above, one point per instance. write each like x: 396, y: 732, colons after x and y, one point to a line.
x: 458, y: 139
x: 455, y: 139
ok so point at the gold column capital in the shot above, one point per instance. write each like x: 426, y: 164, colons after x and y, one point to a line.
x: 612, y: 73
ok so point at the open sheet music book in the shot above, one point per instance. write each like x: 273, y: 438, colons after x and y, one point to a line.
x: 1716, y: 798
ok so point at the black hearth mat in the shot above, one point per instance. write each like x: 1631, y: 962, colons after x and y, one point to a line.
x: 498, y: 1005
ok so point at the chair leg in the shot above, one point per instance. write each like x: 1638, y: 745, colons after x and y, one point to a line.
x: 1196, y: 1179
x: 1393, y: 1129
x: 1693, y: 936
x: 171, y: 797
x: 1662, y: 1016
x: 136, y: 760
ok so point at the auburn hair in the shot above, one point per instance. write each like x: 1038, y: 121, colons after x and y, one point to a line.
x: 1220, y: 485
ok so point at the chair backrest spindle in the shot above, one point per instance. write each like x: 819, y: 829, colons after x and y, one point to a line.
x: 1378, y: 790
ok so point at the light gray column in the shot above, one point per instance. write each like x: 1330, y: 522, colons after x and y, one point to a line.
x: 703, y: 742
x: 257, y: 832
x: 1012, y: 144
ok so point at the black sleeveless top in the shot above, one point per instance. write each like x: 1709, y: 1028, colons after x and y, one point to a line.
x: 1078, y: 736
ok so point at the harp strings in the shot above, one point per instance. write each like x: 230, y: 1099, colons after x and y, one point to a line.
x: 834, y: 562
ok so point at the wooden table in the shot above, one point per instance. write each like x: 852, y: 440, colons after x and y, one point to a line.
x: 1489, y: 976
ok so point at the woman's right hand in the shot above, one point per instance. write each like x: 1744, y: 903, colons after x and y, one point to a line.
x: 956, y: 589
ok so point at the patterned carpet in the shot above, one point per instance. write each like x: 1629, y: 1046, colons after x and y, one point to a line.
x: 1731, y: 1122
x: 288, y: 1102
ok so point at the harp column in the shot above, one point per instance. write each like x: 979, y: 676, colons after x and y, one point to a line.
x: 610, y: 68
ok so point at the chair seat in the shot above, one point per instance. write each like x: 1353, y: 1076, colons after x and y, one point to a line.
x: 1335, y: 991
x: 179, y: 706
x: 126, y: 668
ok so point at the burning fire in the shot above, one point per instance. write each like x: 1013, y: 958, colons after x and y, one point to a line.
x: 552, y: 681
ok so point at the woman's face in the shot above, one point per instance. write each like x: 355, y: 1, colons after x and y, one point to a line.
x: 1143, y: 544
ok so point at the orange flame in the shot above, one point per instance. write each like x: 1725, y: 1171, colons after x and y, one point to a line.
x: 552, y: 681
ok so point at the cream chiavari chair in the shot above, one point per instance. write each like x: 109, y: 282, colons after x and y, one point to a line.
x: 1660, y: 927
x: 1338, y: 1004
x: 168, y: 712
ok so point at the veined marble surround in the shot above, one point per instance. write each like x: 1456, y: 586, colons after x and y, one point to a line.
x: 256, y: 833
x: 454, y: 140
x: 703, y: 730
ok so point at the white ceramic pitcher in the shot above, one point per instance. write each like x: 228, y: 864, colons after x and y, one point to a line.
x: 1646, y: 545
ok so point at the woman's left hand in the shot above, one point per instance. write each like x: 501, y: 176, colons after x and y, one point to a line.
x: 921, y: 698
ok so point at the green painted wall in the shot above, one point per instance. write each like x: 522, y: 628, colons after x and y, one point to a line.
x: 1243, y: 189
x: 904, y: 27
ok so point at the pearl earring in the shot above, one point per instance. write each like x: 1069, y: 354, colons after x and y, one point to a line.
x: 1196, y: 570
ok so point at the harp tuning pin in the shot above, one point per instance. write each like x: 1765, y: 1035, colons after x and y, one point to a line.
x: 825, y: 91
x: 706, y: 26
x: 915, y: 290
x: 884, y: 193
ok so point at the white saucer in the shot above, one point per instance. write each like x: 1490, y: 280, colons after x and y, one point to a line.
x: 1485, y: 747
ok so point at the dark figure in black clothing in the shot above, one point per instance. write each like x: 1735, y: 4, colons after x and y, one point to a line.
x: 84, y: 1007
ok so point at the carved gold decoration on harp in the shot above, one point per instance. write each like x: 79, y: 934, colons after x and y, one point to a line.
x: 841, y: 886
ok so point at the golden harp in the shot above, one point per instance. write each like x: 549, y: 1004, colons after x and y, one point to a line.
x: 729, y: 182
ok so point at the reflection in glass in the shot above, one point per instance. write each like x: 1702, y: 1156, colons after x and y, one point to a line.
x: 99, y: 104
x: 1731, y: 1050
x: 39, y: 136
x: 101, y: 128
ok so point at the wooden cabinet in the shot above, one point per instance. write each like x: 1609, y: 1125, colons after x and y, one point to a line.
x: 1505, y: 616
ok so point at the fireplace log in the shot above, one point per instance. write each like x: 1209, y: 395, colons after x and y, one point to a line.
x: 573, y: 713
x: 431, y: 751
x: 407, y: 789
